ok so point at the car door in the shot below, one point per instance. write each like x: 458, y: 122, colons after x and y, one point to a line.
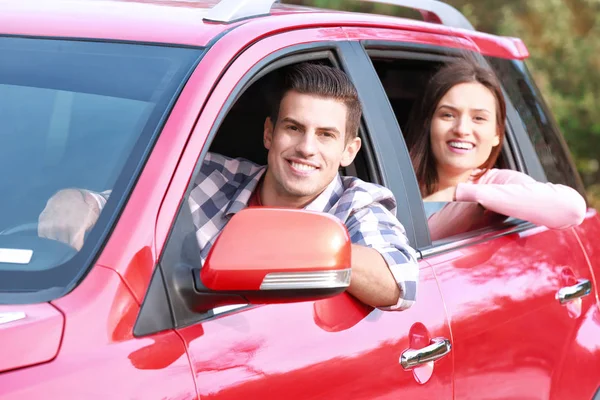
x: 332, y: 348
x: 505, y: 285
x: 502, y: 289
x: 577, y: 376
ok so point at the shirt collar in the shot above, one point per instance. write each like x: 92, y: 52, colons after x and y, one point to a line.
x: 328, y: 197
x: 242, y: 195
x: 323, y: 203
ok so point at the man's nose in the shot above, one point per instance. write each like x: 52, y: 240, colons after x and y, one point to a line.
x: 307, y: 146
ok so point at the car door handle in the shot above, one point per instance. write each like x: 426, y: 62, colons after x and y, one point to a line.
x: 570, y: 293
x: 438, y: 348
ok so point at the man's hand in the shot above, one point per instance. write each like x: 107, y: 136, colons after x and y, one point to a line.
x: 68, y: 215
x: 445, y: 195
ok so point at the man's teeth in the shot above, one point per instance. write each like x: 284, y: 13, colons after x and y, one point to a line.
x: 302, y: 167
x: 461, y: 145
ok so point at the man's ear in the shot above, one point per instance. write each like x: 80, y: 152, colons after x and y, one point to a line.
x: 268, y: 133
x: 352, y: 148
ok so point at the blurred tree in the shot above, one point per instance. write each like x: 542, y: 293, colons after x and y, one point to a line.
x: 563, y: 37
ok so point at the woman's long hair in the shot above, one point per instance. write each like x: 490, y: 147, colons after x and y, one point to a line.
x: 418, y: 132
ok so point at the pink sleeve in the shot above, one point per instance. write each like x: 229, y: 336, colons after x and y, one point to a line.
x: 517, y: 195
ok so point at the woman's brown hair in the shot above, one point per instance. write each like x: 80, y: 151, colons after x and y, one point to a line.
x: 418, y: 132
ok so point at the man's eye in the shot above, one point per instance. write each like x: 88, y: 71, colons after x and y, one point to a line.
x: 328, y: 134
x: 292, y: 127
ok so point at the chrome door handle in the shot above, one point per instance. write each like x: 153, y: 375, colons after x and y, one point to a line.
x: 438, y: 348
x: 570, y: 293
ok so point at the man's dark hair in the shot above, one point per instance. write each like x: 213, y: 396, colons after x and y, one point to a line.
x: 321, y: 81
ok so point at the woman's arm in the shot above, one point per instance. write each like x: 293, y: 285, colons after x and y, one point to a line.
x: 517, y: 195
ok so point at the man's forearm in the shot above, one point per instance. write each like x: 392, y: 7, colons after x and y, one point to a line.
x: 372, y: 282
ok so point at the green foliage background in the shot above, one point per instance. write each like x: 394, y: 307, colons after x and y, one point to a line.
x: 563, y: 38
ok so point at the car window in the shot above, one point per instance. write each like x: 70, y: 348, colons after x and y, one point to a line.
x: 404, y: 81
x: 239, y: 135
x: 539, y: 124
x: 73, y: 114
x: 452, y: 220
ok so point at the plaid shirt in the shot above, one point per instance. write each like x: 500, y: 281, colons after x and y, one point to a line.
x: 224, y: 187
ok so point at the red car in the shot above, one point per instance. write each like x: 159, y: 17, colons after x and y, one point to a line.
x: 130, y: 95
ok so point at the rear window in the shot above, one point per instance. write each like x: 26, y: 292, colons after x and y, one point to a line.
x: 539, y: 123
x: 73, y: 114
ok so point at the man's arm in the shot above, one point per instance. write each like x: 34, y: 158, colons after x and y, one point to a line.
x: 384, y: 267
x: 371, y: 281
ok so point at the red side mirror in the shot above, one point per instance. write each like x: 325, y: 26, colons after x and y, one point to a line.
x: 279, y: 255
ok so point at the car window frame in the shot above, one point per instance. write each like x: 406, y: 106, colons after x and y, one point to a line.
x: 162, y: 309
x: 518, y: 148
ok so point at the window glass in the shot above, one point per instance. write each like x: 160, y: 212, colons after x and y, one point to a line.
x: 73, y: 114
x: 404, y: 82
x: 542, y: 130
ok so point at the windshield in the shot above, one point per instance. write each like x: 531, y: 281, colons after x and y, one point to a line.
x: 73, y: 114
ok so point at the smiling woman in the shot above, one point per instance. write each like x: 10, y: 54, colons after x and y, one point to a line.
x: 455, y: 136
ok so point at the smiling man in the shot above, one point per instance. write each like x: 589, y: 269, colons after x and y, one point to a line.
x: 310, y: 133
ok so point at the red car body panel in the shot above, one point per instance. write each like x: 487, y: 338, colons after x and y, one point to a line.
x: 182, y: 23
x: 99, y: 358
x: 41, y: 324
x: 332, y: 348
x: 506, y: 319
x: 501, y: 317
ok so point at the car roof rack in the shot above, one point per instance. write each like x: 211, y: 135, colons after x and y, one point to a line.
x: 433, y: 11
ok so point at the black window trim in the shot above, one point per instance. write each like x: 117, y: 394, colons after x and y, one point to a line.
x: 154, y: 316
x: 385, y: 132
x: 518, y: 151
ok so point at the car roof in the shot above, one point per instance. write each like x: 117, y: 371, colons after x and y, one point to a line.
x: 181, y: 22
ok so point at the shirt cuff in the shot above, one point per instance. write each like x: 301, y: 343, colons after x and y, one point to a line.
x: 466, y: 192
x: 100, y: 199
x: 405, y: 271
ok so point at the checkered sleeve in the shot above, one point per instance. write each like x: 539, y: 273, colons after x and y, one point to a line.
x: 376, y: 226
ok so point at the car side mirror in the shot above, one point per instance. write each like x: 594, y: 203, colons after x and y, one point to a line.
x: 272, y: 255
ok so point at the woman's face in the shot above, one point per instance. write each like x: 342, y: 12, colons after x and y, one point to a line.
x: 464, y: 129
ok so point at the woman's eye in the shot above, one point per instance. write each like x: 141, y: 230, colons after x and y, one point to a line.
x: 447, y: 115
x: 480, y: 118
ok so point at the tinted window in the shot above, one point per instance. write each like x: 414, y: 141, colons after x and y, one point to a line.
x: 538, y: 121
x: 73, y: 114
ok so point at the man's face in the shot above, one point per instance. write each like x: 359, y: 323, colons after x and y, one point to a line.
x: 307, y: 145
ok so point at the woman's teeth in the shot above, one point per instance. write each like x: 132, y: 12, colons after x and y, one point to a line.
x: 461, y: 145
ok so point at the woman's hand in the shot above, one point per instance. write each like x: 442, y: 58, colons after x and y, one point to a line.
x: 445, y: 195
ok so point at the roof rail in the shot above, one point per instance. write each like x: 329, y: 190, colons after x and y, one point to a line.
x: 432, y: 11
x: 231, y: 10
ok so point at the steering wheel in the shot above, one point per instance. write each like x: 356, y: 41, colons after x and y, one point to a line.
x: 30, y: 228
